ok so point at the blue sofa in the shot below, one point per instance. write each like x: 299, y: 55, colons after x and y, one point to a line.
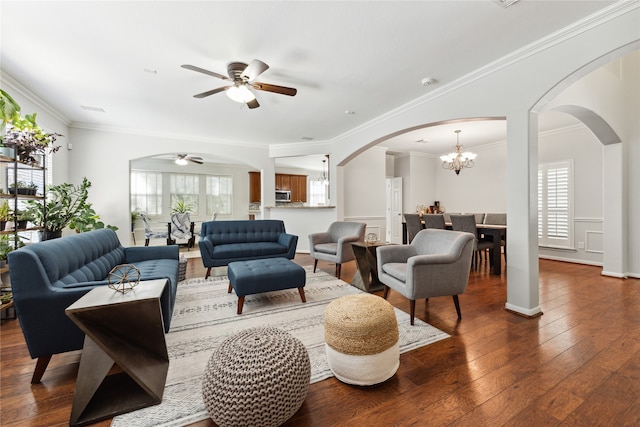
x: 49, y: 276
x: 222, y: 242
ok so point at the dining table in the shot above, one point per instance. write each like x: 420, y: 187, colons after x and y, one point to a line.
x: 497, y: 233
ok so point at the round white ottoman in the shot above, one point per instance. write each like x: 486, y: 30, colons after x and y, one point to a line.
x: 361, y: 335
x: 257, y: 377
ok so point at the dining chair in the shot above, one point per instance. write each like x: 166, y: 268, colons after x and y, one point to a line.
x: 498, y: 219
x: 447, y: 216
x: 434, y: 221
x: 467, y: 223
x: 478, y: 216
x: 414, y: 225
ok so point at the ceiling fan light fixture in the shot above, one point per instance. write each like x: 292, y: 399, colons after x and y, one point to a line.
x: 240, y: 93
x: 181, y: 161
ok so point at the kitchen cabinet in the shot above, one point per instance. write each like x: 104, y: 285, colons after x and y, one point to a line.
x: 297, y: 184
x: 255, y: 187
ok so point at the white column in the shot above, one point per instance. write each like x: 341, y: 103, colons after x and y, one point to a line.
x: 522, y: 213
x: 614, y: 224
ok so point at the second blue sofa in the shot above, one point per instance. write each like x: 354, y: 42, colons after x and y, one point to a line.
x: 222, y: 242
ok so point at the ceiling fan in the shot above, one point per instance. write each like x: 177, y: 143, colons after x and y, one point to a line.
x: 184, y: 159
x: 242, y: 76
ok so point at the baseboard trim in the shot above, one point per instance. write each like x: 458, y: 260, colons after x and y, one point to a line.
x: 531, y: 313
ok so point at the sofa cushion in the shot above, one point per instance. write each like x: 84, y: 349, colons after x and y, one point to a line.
x: 244, y: 250
x: 397, y: 270
x: 327, y: 248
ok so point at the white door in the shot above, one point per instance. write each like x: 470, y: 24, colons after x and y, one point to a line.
x: 394, y: 210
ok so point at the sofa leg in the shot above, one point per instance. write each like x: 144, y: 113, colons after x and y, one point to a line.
x: 230, y: 288
x: 302, y: 297
x: 385, y: 294
x: 315, y: 264
x: 412, y: 310
x: 457, y: 303
x: 206, y: 276
x: 240, y: 304
x: 338, y: 270
x: 41, y: 366
x: 146, y: 242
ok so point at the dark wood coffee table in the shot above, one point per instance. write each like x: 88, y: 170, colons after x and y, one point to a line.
x: 124, y: 330
x: 366, y: 278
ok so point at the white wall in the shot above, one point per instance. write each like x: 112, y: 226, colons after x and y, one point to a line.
x: 365, y: 194
x: 481, y: 188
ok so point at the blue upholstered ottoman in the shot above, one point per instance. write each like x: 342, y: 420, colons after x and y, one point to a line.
x: 265, y: 275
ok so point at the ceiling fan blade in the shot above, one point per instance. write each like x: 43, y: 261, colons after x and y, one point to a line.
x: 211, y: 92
x: 197, y: 160
x: 254, y: 69
x: 253, y: 104
x: 274, y: 88
x: 203, y: 71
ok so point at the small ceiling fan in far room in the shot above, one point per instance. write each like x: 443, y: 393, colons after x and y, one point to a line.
x: 242, y: 76
x: 184, y: 159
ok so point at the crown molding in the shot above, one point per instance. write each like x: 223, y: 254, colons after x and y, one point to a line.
x: 166, y: 135
x: 12, y: 83
x: 602, y: 16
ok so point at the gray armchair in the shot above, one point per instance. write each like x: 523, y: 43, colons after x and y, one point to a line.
x: 334, y: 245
x: 436, y: 263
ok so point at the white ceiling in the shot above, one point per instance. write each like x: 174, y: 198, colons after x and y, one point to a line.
x: 360, y: 56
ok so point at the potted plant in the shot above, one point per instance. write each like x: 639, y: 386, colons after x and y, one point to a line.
x: 23, y: 217
x: 22, y: 188
x: 87, y: 219
x: 9, y: 109
x: 134, y: 217
x: 23, y: 134
x: 182, y: 207
x: 63, y: 203
x: 4, y: 214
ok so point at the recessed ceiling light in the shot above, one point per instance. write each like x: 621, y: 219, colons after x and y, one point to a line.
x: 423, y: 141
x: 307, y: 138
x: 96, y: 109
x: 349, y: 112
x: 150, y: 71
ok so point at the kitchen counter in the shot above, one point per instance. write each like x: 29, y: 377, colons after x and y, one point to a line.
x: 298, y: 207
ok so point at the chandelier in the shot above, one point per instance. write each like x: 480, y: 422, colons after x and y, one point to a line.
x: 458, y: 160
x: 324, y: 177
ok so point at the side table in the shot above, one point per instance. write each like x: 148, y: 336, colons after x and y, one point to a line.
x: 366, y: 278
x: 126, y: 330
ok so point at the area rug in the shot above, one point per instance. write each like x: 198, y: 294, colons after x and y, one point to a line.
x: 205, y: 314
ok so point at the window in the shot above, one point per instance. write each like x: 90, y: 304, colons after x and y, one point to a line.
x: 219, y: 195
x: 146, y: 192
x: 317, y: 192
x: 555, y: 207
x: 185, y: 188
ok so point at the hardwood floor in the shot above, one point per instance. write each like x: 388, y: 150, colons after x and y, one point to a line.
x: 578, y: 364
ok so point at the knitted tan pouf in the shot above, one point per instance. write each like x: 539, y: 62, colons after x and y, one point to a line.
x: 361, y: 335
x: 258, y: 377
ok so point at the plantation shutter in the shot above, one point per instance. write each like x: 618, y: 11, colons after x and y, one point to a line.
x: 554, y: 204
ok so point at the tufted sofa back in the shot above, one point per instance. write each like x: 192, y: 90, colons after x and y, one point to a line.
x: 84, y: 257
x: 226, y: 232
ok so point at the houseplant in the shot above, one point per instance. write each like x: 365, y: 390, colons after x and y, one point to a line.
x: 87, y: 219
x: 64, y: 202
x: 4, y: 214
x: 23, y: 133
x: 181, y: 207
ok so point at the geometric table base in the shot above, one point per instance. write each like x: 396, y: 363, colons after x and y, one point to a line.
x: 125, y: 330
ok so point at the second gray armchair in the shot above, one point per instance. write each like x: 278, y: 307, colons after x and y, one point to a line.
x: 334, y: 245
x: 436, y: 263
